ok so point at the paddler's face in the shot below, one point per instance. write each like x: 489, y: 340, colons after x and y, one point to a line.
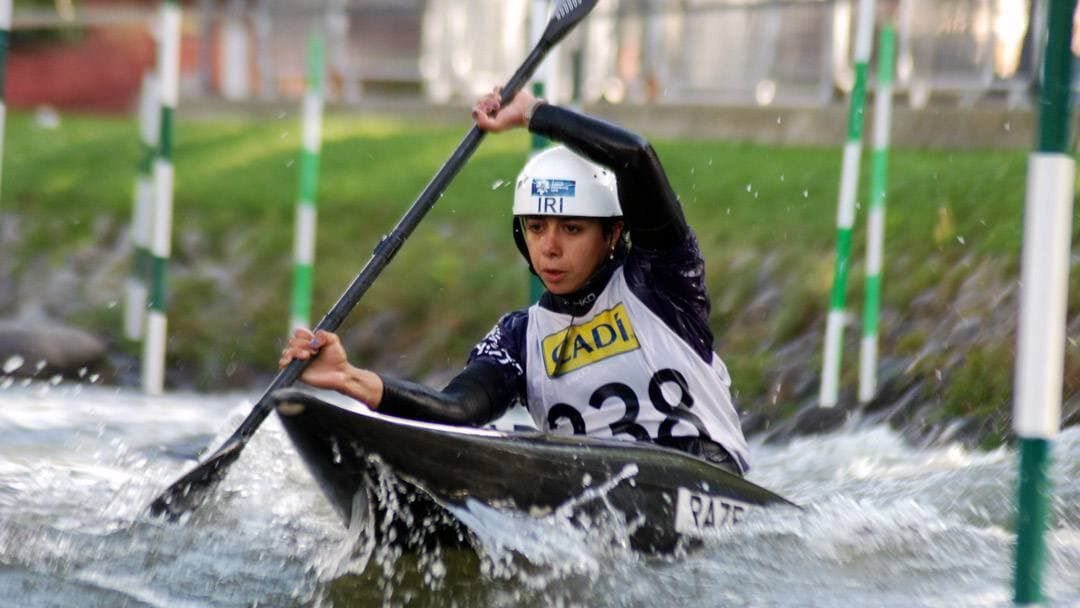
x: 566, y: 251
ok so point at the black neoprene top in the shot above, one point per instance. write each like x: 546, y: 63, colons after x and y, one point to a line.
x: 654, y: 219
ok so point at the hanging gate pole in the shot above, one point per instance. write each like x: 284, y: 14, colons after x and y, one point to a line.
x: 538, y: 17
x: 849, y: 183
x: 5, y: 35
x: 875, y: 225
x: 153, y: 369
x: 1051, y: 184
x: 142, y: 212
x: 304, y: 243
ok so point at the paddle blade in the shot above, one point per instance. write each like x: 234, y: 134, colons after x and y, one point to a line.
x: 566, y: 15
x: 192, y: 489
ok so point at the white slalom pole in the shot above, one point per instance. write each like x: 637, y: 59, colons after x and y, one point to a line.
x: 875, y: 233
x: 1044, y: 295
x: 538, y: 18
x: 153, y: 376
x: 849, y: 182
x: 304, y: 238
x: 142, y: 213
x: 5, y: 34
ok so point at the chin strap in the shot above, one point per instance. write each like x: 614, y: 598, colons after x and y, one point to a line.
x: 579, y: 302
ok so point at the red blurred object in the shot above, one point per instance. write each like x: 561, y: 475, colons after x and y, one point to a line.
x: 99, y: 71
x: 102, y: 72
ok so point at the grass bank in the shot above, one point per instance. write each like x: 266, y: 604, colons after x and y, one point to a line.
x: 765, y: 217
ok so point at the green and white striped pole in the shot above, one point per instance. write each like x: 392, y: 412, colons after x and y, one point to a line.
x: 143, y: 206
x: 849, y: 182
x: 153, y: 370
x: 304, y: 242
x: 5, y: 35
x: 1051, y: 185
x: 875, y: 234
x: 537, y: 21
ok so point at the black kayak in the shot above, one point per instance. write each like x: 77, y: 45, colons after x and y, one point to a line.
x: 670, y: 495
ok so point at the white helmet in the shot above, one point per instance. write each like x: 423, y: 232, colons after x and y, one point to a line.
x: 559, y: 182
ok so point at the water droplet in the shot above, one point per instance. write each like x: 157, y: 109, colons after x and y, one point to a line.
x: 749, y: 187
x: 499, y: 183
x: 7, y: 382
x: 94, y: 378
x: 805, y: 193
x: 779, y: 119
x: 40, y: 365
x: 289, y: 163
x: 284, y: 134
x: 82, y: 372
x: 729, y: 210
x: 1008, y: 126
x: 281, y: 115
x: 112, y: 304
x: 56, y: 379
x: 781, y: 177
x: 692, y: 169
x: 961, y: 240
x: 13, y: 363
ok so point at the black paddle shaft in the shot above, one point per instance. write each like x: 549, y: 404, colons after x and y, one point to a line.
x: 188, y: 492
x: 387, y: 249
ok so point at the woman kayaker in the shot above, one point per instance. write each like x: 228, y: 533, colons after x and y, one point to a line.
x: 619, y: 344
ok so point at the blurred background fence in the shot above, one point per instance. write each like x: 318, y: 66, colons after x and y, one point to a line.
x: 87, y: 54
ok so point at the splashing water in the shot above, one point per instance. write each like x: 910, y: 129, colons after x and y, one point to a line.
x: 884, y: 525
x: 13, y: 363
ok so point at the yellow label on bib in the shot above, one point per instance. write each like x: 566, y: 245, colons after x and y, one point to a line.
x: 607, y: 334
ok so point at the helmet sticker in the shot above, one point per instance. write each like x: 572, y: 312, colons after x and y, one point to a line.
x: 553, y: 187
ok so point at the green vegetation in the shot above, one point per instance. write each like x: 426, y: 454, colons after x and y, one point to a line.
x: 765, y: 218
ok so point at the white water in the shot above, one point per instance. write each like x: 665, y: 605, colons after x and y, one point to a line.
x: 885, y: 524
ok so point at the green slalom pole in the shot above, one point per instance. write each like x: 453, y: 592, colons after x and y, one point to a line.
x: 1051, y: 185
x: 142, y: 212
x: 304, y: 242
x: 875, y: 234
x: 5, y: 36
x: 153, y: 369
x: 538, y: 18
x: 849, y: 182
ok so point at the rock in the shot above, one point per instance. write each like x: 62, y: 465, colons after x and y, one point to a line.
x: 811, y: 419
x: 816, y: 419
x: 28, y: 348
x: 754, y: 423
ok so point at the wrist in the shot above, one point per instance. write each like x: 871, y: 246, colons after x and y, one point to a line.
x: 531, y: 109
x: 364, y: 386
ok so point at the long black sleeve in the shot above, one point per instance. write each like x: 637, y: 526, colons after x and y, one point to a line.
x: 476, y: 396
x: 650, y: 207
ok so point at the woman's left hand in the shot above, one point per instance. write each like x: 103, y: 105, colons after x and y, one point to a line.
x: 493, y: 117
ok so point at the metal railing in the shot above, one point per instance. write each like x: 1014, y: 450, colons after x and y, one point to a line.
x: 715, y: 52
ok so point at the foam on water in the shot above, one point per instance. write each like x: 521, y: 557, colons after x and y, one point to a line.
x: 884, y: 524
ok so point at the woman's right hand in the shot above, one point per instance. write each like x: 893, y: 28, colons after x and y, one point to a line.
x: 493, y: 117
x: 329, y: 367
